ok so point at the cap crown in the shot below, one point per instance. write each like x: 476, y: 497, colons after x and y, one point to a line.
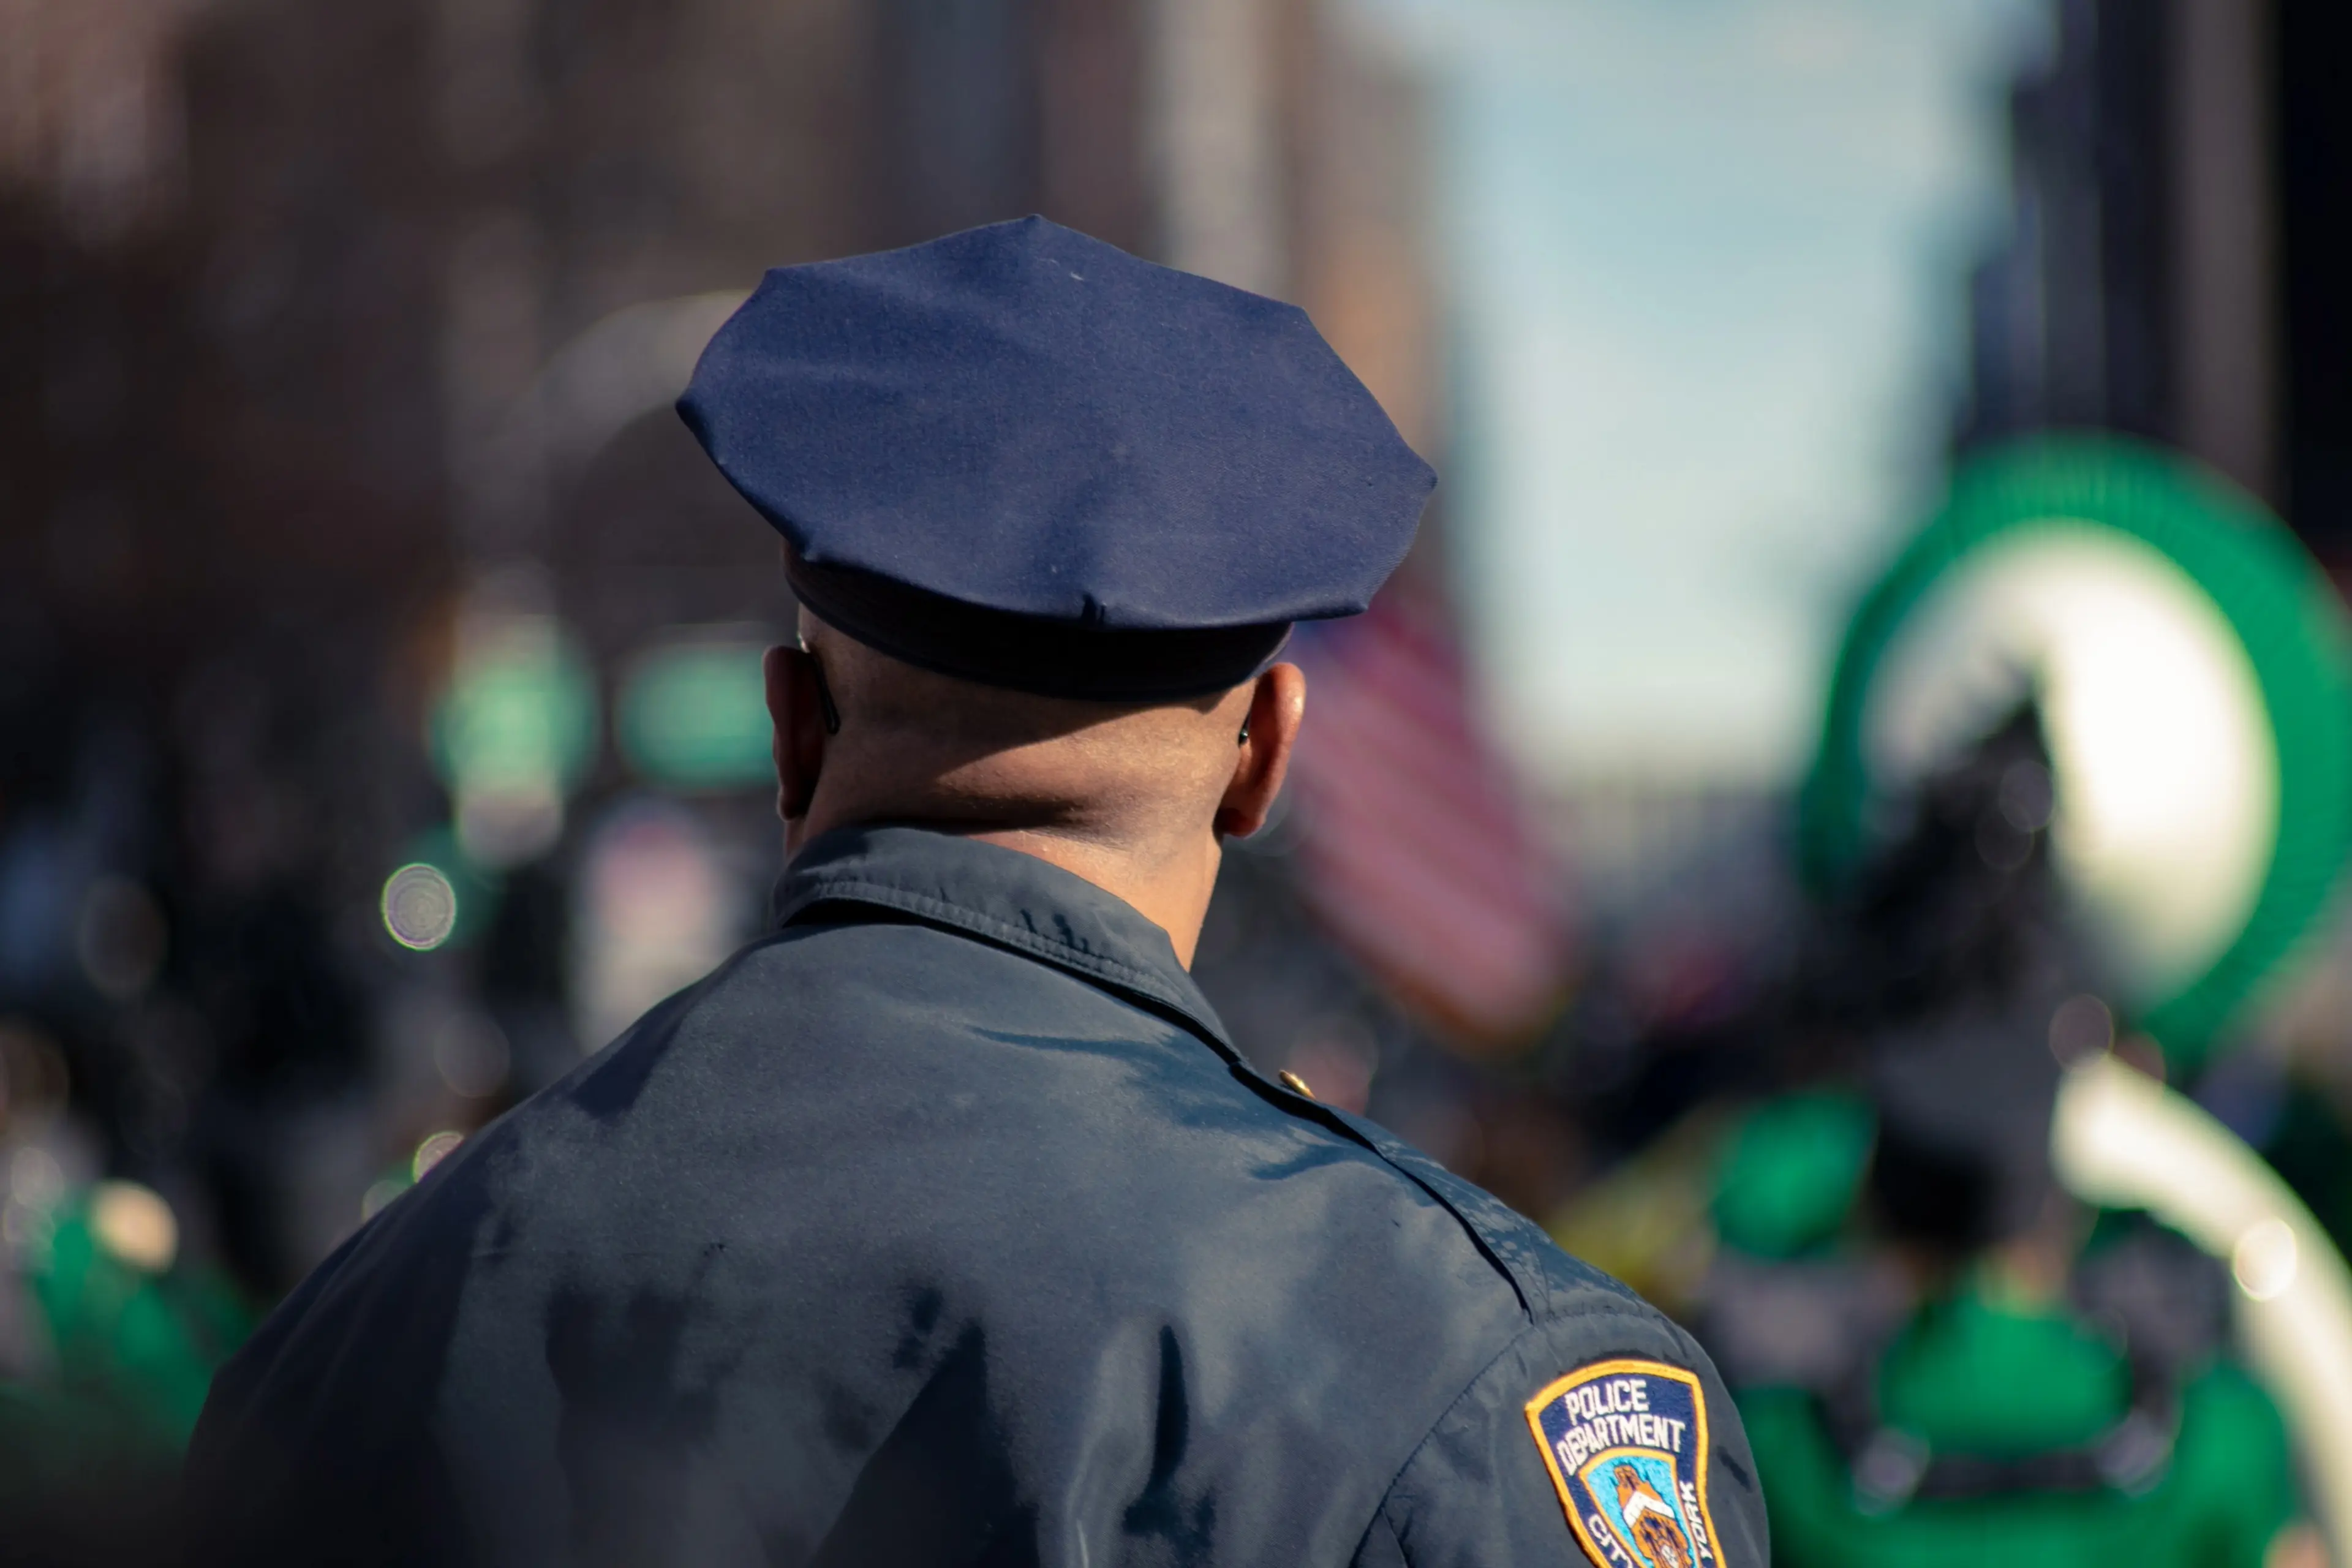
x: 1028, y: 420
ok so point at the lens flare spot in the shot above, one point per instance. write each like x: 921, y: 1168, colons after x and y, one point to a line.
x: 2264, y: 1260
x: 420, y: 907
x: 433, y: 1151
x: 135, y: 1225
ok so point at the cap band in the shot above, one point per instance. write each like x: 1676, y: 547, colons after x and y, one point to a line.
x: 1028, y: 653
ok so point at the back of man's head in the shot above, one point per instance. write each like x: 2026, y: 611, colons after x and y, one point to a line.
x: 1137, y: 797
x: 919, y: 746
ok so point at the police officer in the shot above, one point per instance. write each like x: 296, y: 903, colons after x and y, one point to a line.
x: 944, y: 1224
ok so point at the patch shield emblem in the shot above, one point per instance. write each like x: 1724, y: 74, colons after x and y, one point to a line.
x: 1625, y: 1442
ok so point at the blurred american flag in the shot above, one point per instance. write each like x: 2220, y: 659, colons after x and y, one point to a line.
x: 1416, y: 851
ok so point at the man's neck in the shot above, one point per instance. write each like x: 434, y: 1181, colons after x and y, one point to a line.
x: 1169, y: 889
x: 1172, y: 891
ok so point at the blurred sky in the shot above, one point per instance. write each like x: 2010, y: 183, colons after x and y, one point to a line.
x: 1708, y: 263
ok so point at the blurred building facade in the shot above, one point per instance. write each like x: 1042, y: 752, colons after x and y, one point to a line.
x: 284, y: 276
x: 2178, y: 244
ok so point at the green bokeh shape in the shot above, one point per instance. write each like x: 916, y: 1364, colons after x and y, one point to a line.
x: 694, y: 717
x: 1791, y: 1171
x: 520, y: 715
x: 2274, y: 596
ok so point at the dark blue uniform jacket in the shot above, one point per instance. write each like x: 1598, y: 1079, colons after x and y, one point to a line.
x: 943, y: 1225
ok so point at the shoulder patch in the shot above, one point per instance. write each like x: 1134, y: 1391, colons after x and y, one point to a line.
x: 1625, y: 1442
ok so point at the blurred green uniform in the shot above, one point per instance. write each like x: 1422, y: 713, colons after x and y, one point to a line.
x: 130, y: 1355
x: 2052, y: 1442
x: 1970, y: 1377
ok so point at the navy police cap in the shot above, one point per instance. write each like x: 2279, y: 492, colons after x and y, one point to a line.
x: 1021, y: 456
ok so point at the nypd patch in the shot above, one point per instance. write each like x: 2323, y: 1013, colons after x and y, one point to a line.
x: 1625, y: 1442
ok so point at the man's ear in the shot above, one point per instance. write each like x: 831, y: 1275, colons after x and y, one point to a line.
x: 1278, y: 705
x: 796, y: 704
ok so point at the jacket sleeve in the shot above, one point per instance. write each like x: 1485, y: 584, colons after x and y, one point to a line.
x: 1601, y: 1435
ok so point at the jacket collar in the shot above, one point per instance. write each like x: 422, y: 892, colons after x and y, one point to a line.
x: 1004, y: 897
